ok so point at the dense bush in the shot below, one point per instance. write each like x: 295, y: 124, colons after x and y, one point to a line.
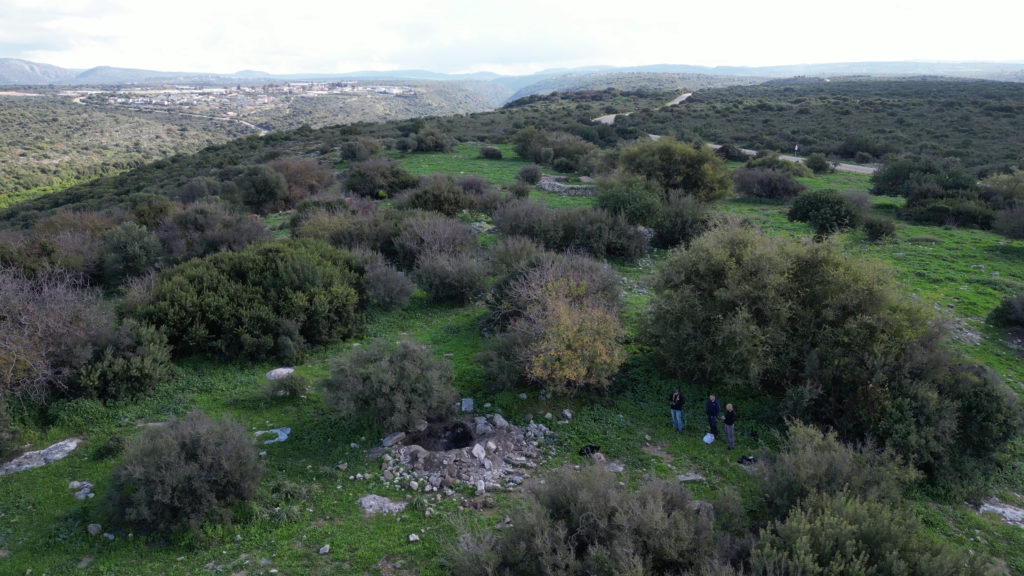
x: 450, y: 276
x: 129, y: 250
x: 1010, y: 222
x: 438, y: 193
x: 490, y: 153
x: 433, y: 140
x: 772, y: 161
x: 526, y: 218
x: 519, y: 189
x: 586, y: 522
x: 431, y: 232
x: 1009, y: 313
x: 634, y: 197
x: 176, y: 477
x: 265, y: 301
x: 825, y: 210
x: 386, y: 286
x: 207, y: 228
x: 765, y: 183
x: 262, y: 188
x: 354, y: 151
x: 378, y: 178
x: 681, y: 219
x: 737, y: 308
x: 878, y: 228
x: 818, y: 163
x: 305, y: 177
x: 811, y: 461
x: 394, y: 385
x: 137, y: 360
x: 677, y: 166
x: 529, y: 174
x: 846, y: 534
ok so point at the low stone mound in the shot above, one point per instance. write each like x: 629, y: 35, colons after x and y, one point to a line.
x: 486, y: 453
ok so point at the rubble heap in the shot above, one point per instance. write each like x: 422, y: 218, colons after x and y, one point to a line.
x: 487, y: 453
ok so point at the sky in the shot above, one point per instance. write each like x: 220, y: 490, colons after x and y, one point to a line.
x: 506, y: 37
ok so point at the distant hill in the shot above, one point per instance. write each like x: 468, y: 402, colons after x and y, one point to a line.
x: 627, y: 81
x: 22, y: 72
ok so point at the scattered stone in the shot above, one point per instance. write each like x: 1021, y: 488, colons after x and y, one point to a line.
x: 480, y: 487
x: 392, y: 439
x: 567, y: 414
x: 995, y: 274
x: 548, y: 416
x: 343, y: 466
x: 325, y: 549
x: 238, y: 537
x: 38, y: 458
x: 278, y: 373
x: 1011, y: 514
x: 491, y: 446
x: 282, y: 434
x: 108, y: 535
x: 353, y: 445
x: 522, y: 395
x: 414, y: 537
x: 499, y: 422
x: 690, y: 477
x: 374, y: 504
x: 616, y: 467
x: 84, y: 562
x: 94, y: 529
x: 414, y: 485
x: 478, y: 452
x: 467, y: 405
x: 647, y: 437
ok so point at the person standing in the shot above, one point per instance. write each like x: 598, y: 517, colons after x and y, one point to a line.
x: 711, y: 409
x: 730, y: 422
x: 675, y: 404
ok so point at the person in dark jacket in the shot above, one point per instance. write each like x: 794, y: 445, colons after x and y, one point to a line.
x: 711, y: 408
x: 675, y: 404
x: 730, y: 421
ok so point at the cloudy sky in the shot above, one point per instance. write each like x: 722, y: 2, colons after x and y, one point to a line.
x: 518, y: 36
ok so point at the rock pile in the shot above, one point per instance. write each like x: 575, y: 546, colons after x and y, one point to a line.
x: 489, y: 454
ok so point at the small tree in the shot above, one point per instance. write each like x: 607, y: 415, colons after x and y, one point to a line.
x: 261, y: 187
x: 677, y: 166
x: 530, y: 174
x: 130, y: 250
x: 825, y: 210
x: 394, y: 385
x: 818, y: 163
x: 176, y: 477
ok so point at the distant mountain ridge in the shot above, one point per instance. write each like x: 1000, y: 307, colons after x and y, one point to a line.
x: 25, y: 73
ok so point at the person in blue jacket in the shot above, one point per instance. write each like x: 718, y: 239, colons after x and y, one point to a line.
x: 711, y: 408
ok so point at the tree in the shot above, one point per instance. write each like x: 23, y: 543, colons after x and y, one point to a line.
x: 825, y: 210
x: 677, y: 166
x: 130, y: 250
x: 818, y: 163
x: 632, y: 196
x: 261, y: 187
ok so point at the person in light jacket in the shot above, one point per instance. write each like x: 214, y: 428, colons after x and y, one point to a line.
x: 729, y: 418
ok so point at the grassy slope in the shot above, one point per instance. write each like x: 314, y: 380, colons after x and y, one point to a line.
x: 42, y: 527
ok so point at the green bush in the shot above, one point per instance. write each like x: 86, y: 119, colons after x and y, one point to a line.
x: 176, y: 477
x: 631, y: 196
x: 450, y: 277
x: 585, y: 522
x: 78, y: 415
x: 1010, y: 223
x: 520, y: 189
x: 772, y: 161
x: 433, y: 140
x: 529, y: 174
x: 130, y: 250
x: 209, y: 227
x: 765, y: 183
x: 818, y: 163
x: 431, y: 232
x: 394, y: 385
x: 241, y: 304
x: 262, y: 188
x: 387, y: 286
x: 878, y: 228
x: 354, y: 151
x: 845, y: 534
x: 825, y: 210
x: 677, y: 166
x: 490, y: 153
x: 138, y: 360
x: 378, y: 178
x: 1009, y: 313
x: 438, y: 193
x: 682, y: 218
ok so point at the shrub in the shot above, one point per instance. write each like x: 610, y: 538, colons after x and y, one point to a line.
x: 585, y: 522
x: 78, y: 414
x: 772, y: 161
x: 811, y: 461
x: 136, y: 361
x: 765, y: 183
x: 438, y: 193
x: 511, y: 255
x: 526, y: 218
x: 878, y: 228
x: 293, y: 385
x: 529, y: 174
x: 262, y: 188
x: 631, y: 196
x: 520, y: 189
x: 825, y: 211
x: 433, y: 140
x: 241, y: 304
x: 207, y: 228
x: 490, y: 153
x: 376, y: 232
x: 305, y: 177
x: 130, y: 250
x: 387, y: 286
x: 680, y: 220
x: 394, y: 385
x: 528, y: 143
x: 677, y: 166
x: 175, y: 477
x: 845, y: 534
x: 8, y: 434
x: 474, y: 186
x: 447, y: 277
x: 354, y: 151
x: 1010, y: 223
x: 150, y: 209
x: 818, y: 163
x: 1009, y: 313
x: 430, y: 232
x: 378, y: 178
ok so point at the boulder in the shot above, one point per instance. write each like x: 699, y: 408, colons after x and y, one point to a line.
x: 374, y: 504
x: 392, y: 439
x: 278, y: 373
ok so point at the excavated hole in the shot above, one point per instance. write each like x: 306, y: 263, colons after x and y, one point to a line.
x: 442, y: 437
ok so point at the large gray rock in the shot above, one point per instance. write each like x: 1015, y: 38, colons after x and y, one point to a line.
x: 278, y: 373
x: 374, y: 504
x: 38, y: 458
x: 94, y: 529
x: 499, y: 422
x: 467, y: 405
x: 690, y: 477
x: 392, y: 439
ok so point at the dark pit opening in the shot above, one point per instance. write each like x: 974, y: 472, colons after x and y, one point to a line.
x: 442, y: 436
